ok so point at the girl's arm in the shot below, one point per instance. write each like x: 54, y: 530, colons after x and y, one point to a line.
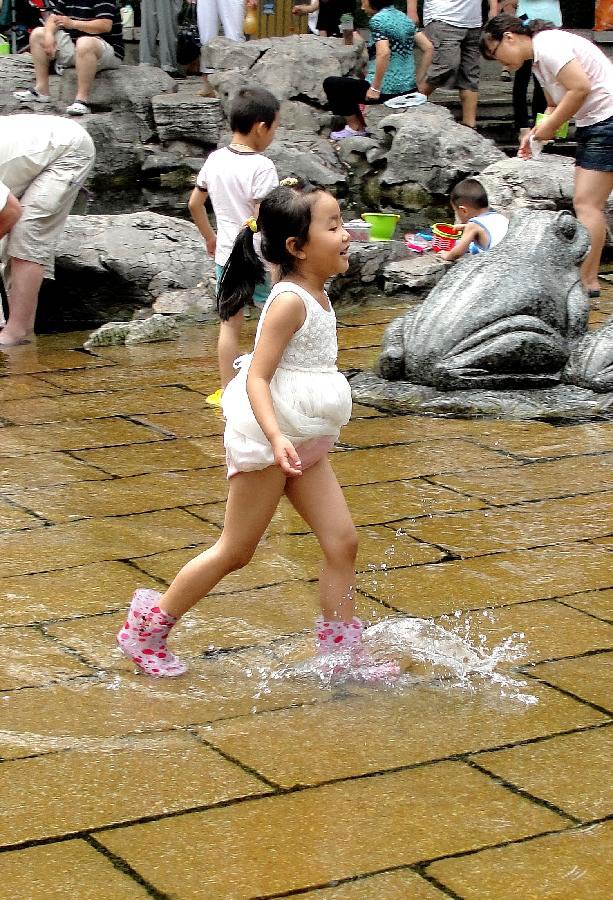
x: 427, y: 52
x: 382, y: 61
x: 472, y: 232
x: 412, y: 11
x: 285, y: 315
x: 198, y: 213
x: 572, y: 76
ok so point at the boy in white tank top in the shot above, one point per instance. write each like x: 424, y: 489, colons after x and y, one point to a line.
x: 484, y: 228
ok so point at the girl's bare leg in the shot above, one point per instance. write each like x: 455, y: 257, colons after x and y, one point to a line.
x: 228, y: 347
x: 252, y: 500
x: 317, y: 496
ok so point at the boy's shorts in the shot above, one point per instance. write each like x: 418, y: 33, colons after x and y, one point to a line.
x: 66, y: 53
x: 457, y: 59
x: 261, y: 292
x: 595, y: 146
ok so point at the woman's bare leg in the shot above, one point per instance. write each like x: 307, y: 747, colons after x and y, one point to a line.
x: 592, y: 189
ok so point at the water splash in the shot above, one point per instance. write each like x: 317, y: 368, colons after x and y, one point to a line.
x: 427, y: 652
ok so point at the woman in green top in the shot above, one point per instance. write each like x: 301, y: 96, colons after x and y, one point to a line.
x: 391, y: 67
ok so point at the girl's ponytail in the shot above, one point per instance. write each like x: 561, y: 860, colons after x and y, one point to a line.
x: 241, y: 273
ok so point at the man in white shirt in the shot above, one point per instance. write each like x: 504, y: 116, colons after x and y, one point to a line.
x: 44, y: 161
x: 454, y: 28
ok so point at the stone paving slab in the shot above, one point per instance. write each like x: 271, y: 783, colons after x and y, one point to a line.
x: 589, y: 677
x: 495, y: 580
x: 80, y: 591
x: 95, y: 540
x: 353, y: 738
x: 520, y: 527
x: 66, y: 869
x: 28, y: 659
x: 566, y: 866
x: 122, y: 496
x: 19, y: 387
x: 378, y: 465
x: 104, y: 432
x: 154, y: 776
x: 14, y: 519
x: 403, y: 817
x: 45, y: 469
x: 537, y: 481
x: 167, y: 456
x: 162, y: 398
x: 94, y: 714
x: 595, y: 603
x: 395, y: 886
x: 548, y: 770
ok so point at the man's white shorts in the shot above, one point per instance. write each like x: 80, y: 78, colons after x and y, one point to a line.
x: 66, y: 52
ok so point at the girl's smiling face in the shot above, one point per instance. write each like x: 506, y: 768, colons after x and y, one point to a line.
x: 326, y: 250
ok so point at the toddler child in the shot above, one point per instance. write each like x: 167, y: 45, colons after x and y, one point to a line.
x: 236, y: 178
x: 284, y: 411
x: 484, y: 228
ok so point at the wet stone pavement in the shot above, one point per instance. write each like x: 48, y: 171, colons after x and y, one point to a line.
x: 248, y: 778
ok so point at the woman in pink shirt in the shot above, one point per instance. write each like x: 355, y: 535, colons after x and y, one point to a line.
x: 577, y: 79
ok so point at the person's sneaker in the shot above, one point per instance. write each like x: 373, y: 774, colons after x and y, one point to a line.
x: 505, y: 75
x: 78, y: 108
x: 31, y: 95
x: 346, y: 132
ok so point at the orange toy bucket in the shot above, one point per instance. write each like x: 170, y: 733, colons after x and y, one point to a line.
x: 444, y: 236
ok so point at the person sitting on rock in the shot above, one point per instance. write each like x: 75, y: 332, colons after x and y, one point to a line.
x: 391, y: 68
x: 484, y: 228
x: 84, y: 34
x: 44, y: 161
x: 236, y: 178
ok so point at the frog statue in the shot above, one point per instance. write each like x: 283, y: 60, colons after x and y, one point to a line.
x: 503, y: 319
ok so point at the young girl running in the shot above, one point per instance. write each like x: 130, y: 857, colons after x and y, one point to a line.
x: 284, y: 411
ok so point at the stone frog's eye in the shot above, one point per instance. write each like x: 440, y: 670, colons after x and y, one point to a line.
x: 566, y: 226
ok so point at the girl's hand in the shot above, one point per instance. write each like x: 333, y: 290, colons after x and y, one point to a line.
x: 544, y: 132
x: 524, y: 151
x: 286, y: 457
x: 373, y: 94
x: 211, y: 245
x: 252, y: 4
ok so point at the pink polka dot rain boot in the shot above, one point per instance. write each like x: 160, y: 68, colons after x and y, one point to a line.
x: 143, y: 637
x: 340, y: 647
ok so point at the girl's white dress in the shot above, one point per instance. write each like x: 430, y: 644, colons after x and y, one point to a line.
x: 312, y: 399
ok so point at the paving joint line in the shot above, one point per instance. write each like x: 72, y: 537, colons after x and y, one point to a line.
x: 522, y: 792
x: 125, y: 868
x: 595, y: 706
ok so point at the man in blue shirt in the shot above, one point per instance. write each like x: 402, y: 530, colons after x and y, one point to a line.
x: 86, y: 34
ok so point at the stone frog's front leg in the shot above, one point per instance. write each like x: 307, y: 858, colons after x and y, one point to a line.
x: 391, y: 362
x: 591, y: 362
x: 515, y: 350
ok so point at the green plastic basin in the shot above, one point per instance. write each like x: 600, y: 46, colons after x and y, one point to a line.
x: 383, y: 225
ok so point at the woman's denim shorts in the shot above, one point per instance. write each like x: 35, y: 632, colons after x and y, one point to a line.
x: 595, y: 146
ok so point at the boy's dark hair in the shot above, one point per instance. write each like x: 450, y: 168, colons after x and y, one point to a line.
x: 471, y: 192
x: 284, y: 213
x: 250, y: 106
x: 495, y: 29
x: 380, y: 4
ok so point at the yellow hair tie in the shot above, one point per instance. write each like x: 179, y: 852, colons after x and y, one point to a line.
x: 288, y: 182
x: 252, y: 224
